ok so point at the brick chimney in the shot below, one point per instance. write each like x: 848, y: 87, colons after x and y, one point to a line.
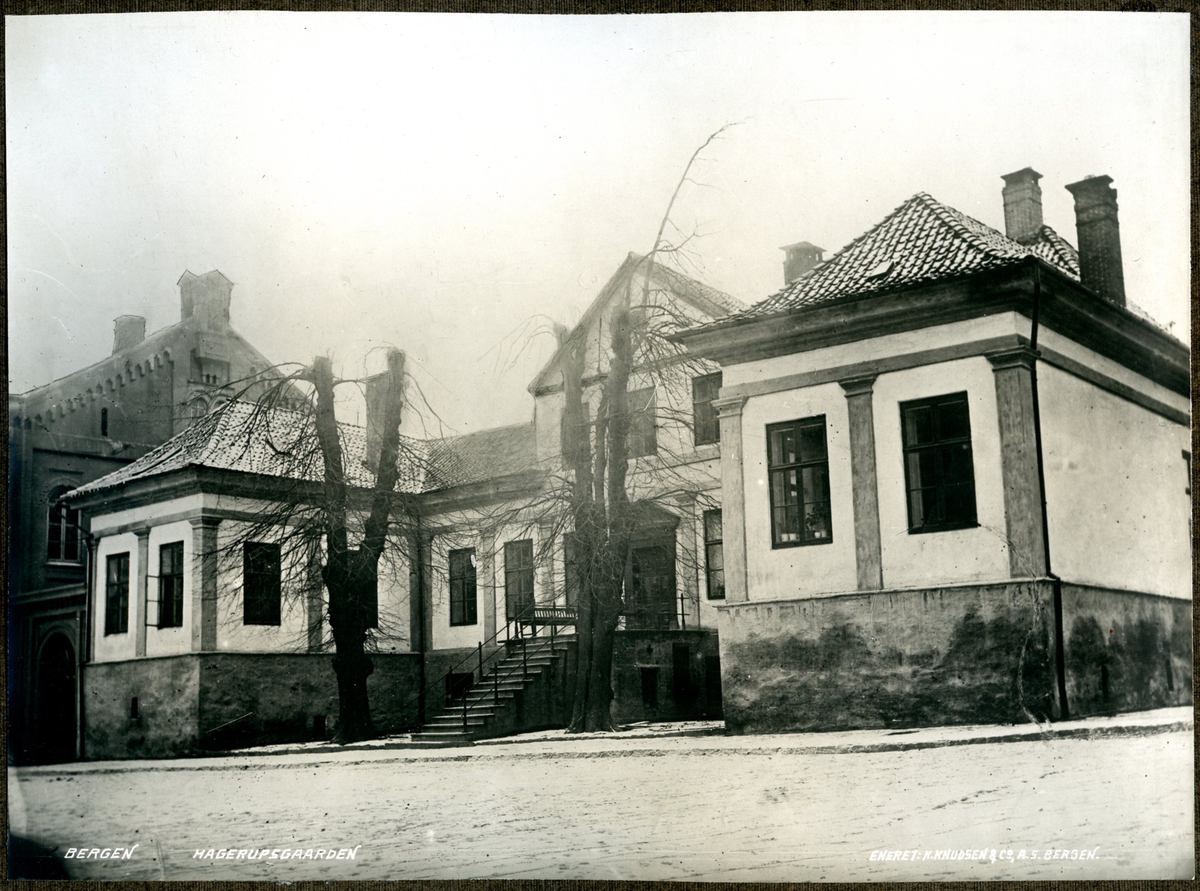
x: 377, y: 394
x: 1099, y: 237
x: 128, y: 331
x: 205, y: 297
x: 1022, y: 205
x: 799, y: 259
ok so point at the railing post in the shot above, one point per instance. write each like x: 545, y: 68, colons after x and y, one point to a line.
x: 464, y: 711
x: 524, y: 661
x: 481, y: 660
x: 496, y: 682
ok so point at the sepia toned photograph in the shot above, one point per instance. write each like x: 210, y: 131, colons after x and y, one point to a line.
x: 731, y: 447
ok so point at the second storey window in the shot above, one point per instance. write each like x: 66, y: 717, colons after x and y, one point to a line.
x: 798, y: 464
x: 714, y: 555
x: 463, y: 608
x: 518, y: 577
x: 261, y: 583
x: 938, y: 470
x: 170, y: 585
x: 62, y: 531
x: 642, y: 439
x: 705, y: 424
x: 116, y: 594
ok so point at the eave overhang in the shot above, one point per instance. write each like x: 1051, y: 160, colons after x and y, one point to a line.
x: 1065, y: 306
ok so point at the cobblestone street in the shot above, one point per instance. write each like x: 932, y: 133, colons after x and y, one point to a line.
x: 769, y: 808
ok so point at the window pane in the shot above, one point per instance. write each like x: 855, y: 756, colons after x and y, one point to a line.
x: 816, y: 521
x: 918, y: 425
x: 782, y: 447
x: 812, y: 442
x: 712, y: 525
x: 953, y: 422
x: 787, y: 524
x: 716, y: 557
x: 960, y: 503
x: 816, y: 483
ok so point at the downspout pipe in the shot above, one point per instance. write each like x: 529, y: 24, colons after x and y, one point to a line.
x: 1055, y: 582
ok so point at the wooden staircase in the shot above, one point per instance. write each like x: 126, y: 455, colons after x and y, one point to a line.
x: 529, y: 688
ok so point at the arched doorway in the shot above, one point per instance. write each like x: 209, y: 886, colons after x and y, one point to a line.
x: 54, y: 703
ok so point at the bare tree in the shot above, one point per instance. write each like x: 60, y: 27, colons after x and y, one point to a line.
x: 602, y: 492
x: 334, y: 523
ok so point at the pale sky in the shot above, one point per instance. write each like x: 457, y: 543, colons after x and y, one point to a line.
x: 452, y: 184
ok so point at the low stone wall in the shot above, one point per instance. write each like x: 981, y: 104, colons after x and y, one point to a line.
x: 166, y: 723
x: 259, y: 698
x: 955, y: 655
x: 203, y: 702
x: 1125, y: 651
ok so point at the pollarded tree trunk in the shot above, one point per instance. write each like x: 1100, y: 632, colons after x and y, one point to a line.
x: 351, y: 574
x: 348, y: 599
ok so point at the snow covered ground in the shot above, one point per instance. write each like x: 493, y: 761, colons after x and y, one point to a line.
x: 963, y: 803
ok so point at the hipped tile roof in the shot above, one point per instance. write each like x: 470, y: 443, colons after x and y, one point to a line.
x: 920, y: 242
x: 282, y: 444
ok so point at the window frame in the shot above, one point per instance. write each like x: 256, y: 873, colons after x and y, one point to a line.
x: 271, y: 580
x: 709, y: 544
x: 468, y: 606
x: 704, y: 406
x: 516, y: 552
x: 641, y: 439
x: 62, y: 529
x: 116, y: 599
x: 798, y: 467
x: 170, y: 586
x: 942, y: 446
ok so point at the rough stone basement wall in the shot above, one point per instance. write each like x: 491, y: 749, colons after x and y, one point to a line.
x: 959, y: 655
x: 635, y: 650
x: 282, y: 693
x: 1125, y: 651
x: 167, y: 690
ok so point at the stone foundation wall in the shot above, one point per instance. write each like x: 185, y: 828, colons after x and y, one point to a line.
x: 1125, y: 651
x: 167, y: 720
x: 204, y: 702
x: 956, y: 655
x: 645, y: 659
x: 257, y: 698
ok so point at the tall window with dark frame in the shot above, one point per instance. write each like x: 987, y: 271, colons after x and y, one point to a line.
x: 463, y: 605
x: 518, y: 577
x: 714, y: 555
x: 116, y: 594
x: 62, y: 529
x: 261, y: 583
x: 170, y: 585
x: 798, y: 464
x: 939, y: 473
x: 572, y: 582
x: 642, y: 435
x: 705, y: 423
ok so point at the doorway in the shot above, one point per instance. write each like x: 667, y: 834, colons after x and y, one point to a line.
x: 652, y: 600
x: 55, y: 707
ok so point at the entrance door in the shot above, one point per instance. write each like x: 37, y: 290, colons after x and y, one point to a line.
x: 652, y: 606
x: 55, y: 702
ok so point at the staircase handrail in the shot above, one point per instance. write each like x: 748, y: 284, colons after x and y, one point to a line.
x: 473, y: 655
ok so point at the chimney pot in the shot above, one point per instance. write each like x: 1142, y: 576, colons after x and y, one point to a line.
x: 1100, y: 266
x: 128, y: 331
x: 1022, y: 205
x: 799, y: 259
